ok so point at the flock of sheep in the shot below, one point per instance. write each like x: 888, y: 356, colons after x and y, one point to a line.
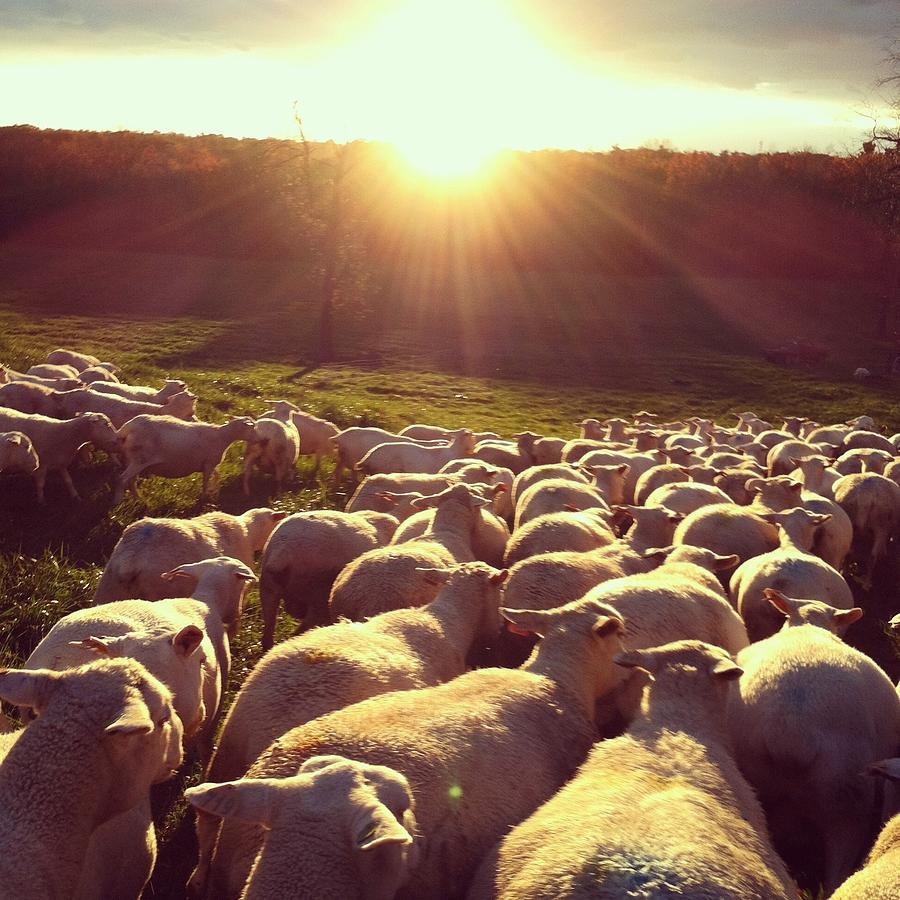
x: 608, y: 667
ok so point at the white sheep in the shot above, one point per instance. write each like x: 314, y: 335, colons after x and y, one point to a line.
x: 858, y: 439
x: 121, y: 410
x: 352, y: 444
x: 516, y: 456
x: 388, y: 578
x: 163, y: 445
x: 17, y: 453
x: 547, y: 450
x: 862, y: 459
x: 142, y: 394
x: 435, y: 433
x: 808, y: 715
x: 687, y: 498
x: 57, y: 384
x: 817, y: 474
x: 468, y: 794
x: 556, y: 494
x: 150, y: 547
x: 402, y: 456
x: 577, y: 530
x: 657, y: 477
x: 637, y: 463
x: 78, y: 361
x: 780, y: 459
x: 791, y: 568
x: 30, y: 398
x: 104, y: 733
x: 47, y: 370
x: 533, y: 474
x: 276, y: 448
x: 879, y: 878
x: 495, y: 475
x: 661, y: 811
x: 57, y: 442
x: 872, y: 503
x: 306, y: 553
x: 362, y: 813
x: 315, y: 434
x: 104, y: 372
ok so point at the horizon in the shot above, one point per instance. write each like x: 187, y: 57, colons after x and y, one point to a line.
x: 450, y: 86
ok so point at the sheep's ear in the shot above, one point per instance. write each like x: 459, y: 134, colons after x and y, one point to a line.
x: 725, y: 562
x: 435, y: 576
x: 178, y: 573
x: 28, y: 688
x: 753, y: 485
x: 104, y: 646
x: 187, y: 640
x: 845, y: 617
x: 248, y: 800
x: 607, y: 625
x: 425, y: 502
x: 13, y: 439
x: 780, y: 601
x: 820, y: 518
x: 279, y: 515
x: 376, y: 827
x: 623, y: 469
x: 570, y: 507
x: 527, y: 621
x: 675, y: 517
x: 636, y: 659
x: 133, y: 719
x: 796, y: 486
x: 726, y: 669
x: 479, y: 502
x: 660, y: 554
x: 244, y: 575
x: 885, y: 768
x: 388, y: 497
x: 499, y: 576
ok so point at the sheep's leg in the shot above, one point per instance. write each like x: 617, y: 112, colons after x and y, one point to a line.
x: 67, y: 481
x: 207, y: 827
x: 209, y: 476
x: 248, y: 465
x: 126, y: 479
x: 40, y: 479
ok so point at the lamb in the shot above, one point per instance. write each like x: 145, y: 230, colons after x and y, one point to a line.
x: 880, y: 877
x: 163, y: 445
x: 516, y: 457
x: 352, y: 444
x: 363, y: 814
x: 657, y: 477
x: 435, y: 433
x: 817, y: 474
x: 306, y: 553
x: 150, y: 547
x: 29, y: 398
x: 554, y: 579
x: 335, y: 666
x: 275, y: 447
x: 78, y: 361
x: 808, y: 715
x: 141, y: 394
x: 637, y: 463
x: 57, y: 442
x: 103, y: 372
x: 662, y: 810
x: 872, y: 503
x: 104, y: 733
x: 57, y: 384
x: 862, y: 459
x: 495, y: 475
x: 791, y: 568
x: 554, y: 494
x: 17, y: 453
x: 540, y: 715
x: 686, y: 498
x: 315, y: 434
x: 576, y: 530
x: 46, y: 370
x: 548, y: 450
x: 391, y: 457
x: 532, y: 475
x: 868, y: 439
x: 119, y: 410
x: 780, y: 459
x: 386, y: 578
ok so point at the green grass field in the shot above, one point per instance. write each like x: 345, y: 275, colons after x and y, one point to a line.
x: 51, y: 557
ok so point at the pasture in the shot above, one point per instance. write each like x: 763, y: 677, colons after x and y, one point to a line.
x: 51, y: 557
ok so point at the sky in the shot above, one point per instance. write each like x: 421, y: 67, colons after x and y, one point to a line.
x: 456, y: 77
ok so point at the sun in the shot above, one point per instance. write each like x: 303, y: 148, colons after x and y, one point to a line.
x: 442, y: 158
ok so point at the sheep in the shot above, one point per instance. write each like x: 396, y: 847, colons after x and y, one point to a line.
x: 548, y: 450
x: 879, y: 879
x: 335, y: 666
x: 33, y: 399
x: 515, y: 456
x: 533, y: 474
x: 468, y: 795
x: 872, y: 502
x: 386, y: 578
x: 305, y: 554
x: 78, y: 361
x: 862, y: 459
x: 657, y: 477
x: 17, y: 453
x: 98, y: 373
x: 554, y: 495
x: 727, y: 529
x: 57, y: 384
x: 791, y: 568
x: 829, y: 434
x: 817, y: 474
x: 46, y: 370
x: 686, y: 498
x: 435, y: 433
x: 662, y: 810
x: 577, y: 530
x: 315, y: 434
x: 637, y: 463
x: 104, y: 733
x: 150, y: 547
x: 370, y: 494
x: 733, y: 482
x: 276, y: 447
x: 495, y: 475
x: 773, y: 438
x: 120, y: 410
x: 363, y: 814
x: 808, y: 714
x: 858, y: 439
x: 554, y: 579
x: 780, y: 459
x: 352, y: 444
x: 489, y: 539
x: 391, y: 457
x: 57, y: 442
x: 141, y: 394
x: 163, y: 445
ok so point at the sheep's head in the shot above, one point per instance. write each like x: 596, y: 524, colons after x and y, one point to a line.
x: 17, y: 453
x: 812, y: 612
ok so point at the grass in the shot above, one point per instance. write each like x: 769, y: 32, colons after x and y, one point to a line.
x: 51, y: 557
